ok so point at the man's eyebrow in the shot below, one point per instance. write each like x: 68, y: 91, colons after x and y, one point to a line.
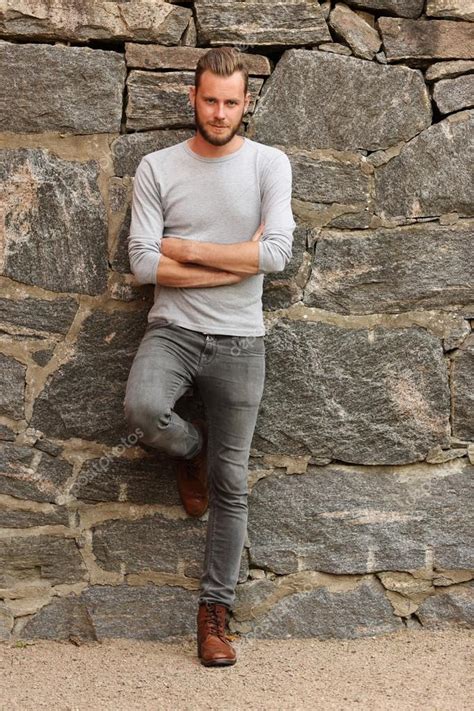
x: 208, y: 96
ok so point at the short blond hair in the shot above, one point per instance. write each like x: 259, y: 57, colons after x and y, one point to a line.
x: 223, y: 61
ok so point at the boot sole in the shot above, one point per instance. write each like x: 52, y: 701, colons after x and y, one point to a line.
x: 215, y: 662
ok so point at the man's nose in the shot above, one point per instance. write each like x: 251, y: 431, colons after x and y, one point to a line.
x: 220, y: 113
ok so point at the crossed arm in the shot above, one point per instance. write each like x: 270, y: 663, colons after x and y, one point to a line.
x: 189, y: 263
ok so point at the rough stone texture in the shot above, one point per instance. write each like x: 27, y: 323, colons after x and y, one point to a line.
x: 454, y: 94
x: 53, y: 316
x: 38, y: 559
x: 303, y: 85
x: 6, y: 622
x: 363, y: 39
x: 120, y: 208
x: 124, y: 611
x: 359, y: 611
x: 432, y: 174
x: 403, y: 8
x: 161, y: 99
x: 332, y: 411
x: 140, y: 481
x: 393, y: 270
x: 63, y: 618
x: 456, y: 9
x: 348, y: 520
x: 26, y: 473
x: 141, y: 20
x: 55, y: 218
x: 414, y: 39
x: 444, y: 70
x: 319, y: 178
x: 129, y: 149
x: 462, y: 379
x: 105, y: 611
x: 75, y: 89
x: 24, y: 518
x: 449, y: 608
x: 150, y: 543
x: 284, y: 288
x: 146, y: 56
x: 12, y: 387
x: 75, y: 402
x: 260, y: 23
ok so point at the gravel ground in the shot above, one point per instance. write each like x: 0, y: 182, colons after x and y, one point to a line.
x: 409, y: 669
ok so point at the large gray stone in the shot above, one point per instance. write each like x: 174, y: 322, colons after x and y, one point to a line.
x: 84, y: 396
x: 26, y: 473
x: 392, y: 270
x: 455, y: 9
x: 408, y: 40
x: 327, y: 179
x: 129, y: 149
x: 63, y: 618
x: 151, y: 56
x: 37, y: 559
x: 6, y: 622
x: 374, y: 396
x: 140, y: 20
x: 56, y: 232
x: 160, y: 99
x: 44, y: 315
x: 140, y: 481
x: 141, y: 612
x: 449, y: 608
x: 120, y: 212
x: 150, y: 543
x: 363, y: 39
x: 403, y: 8
x: 75, y: 89
x: 360, y: 611
x: 454, y: 94
x: 23, y: 518
x: 257, y: 24
x: 462, y: 383
x: 303, y: 85
x: 12, y: 387
x: 348, y: 520
x: 432, y: 175
x: 445, y: 70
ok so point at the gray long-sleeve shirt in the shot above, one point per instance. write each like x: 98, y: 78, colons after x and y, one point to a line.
x: 178, y: 193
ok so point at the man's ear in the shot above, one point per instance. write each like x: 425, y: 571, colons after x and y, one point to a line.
x: 192, y: 95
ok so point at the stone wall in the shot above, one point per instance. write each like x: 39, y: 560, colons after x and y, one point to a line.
x: 361, y: 469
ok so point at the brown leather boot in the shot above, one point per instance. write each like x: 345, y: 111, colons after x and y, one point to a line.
x: 191, y: 476
x: 214, y: 650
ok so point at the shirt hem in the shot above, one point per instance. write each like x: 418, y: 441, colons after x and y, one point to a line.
x: 212, y: 330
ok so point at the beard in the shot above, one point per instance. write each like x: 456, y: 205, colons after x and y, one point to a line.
x: 219, y: 138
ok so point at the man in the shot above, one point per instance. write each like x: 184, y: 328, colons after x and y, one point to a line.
x: 210, y: 217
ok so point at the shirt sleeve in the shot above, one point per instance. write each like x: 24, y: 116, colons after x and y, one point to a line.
x: 146, y: 225
x: 275, y: 245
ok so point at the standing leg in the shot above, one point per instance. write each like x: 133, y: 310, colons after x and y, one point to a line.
x: 231, y: 384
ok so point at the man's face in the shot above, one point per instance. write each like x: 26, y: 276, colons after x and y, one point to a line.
x: 219, y: 106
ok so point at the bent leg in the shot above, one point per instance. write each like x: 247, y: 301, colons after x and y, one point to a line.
x: 161, y: 372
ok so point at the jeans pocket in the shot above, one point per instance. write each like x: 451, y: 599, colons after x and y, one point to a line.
x: 248, y: 345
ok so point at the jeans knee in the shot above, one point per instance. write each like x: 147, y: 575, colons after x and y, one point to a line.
x: 145, y: 415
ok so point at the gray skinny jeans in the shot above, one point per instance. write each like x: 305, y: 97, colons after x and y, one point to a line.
x: 229, y: 372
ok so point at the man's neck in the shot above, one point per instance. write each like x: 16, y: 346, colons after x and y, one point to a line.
x: 199, y: 145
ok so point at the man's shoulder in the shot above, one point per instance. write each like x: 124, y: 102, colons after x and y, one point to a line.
x: 161, y: 155
x: 268, y: 153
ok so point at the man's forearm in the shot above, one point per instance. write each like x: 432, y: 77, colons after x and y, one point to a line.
x: 177, y: 274
x: 240, y: 257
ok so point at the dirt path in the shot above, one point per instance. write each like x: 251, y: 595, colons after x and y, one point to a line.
x: 406, y: 670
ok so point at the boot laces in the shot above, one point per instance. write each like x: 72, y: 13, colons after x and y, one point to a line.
x: 215, y: 622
